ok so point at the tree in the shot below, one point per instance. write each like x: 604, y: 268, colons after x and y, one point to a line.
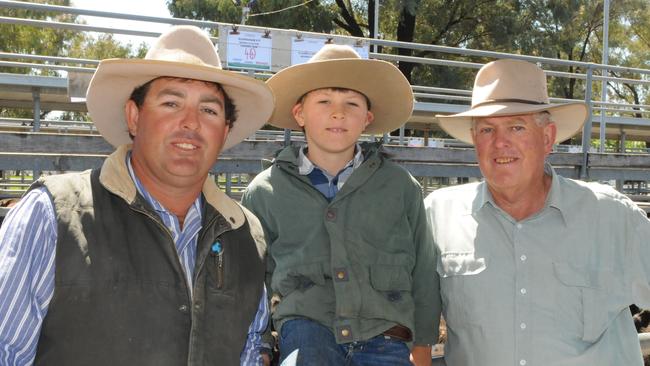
x: 313, y: 16
x: 23, y: 39
x: 37, y: 41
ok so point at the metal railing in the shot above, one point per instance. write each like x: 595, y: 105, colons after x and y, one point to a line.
x: 430, y: 99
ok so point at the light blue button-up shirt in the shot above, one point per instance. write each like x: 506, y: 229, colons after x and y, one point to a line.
x: 552, y: 289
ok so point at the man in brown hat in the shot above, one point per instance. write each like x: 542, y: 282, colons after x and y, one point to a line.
x: 351, y: 261
x: 535, y: 268
x: 144, y: 261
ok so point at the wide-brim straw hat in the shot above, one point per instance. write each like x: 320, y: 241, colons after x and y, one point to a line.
x: 512, y: 87
x: 337, y: 66
x: 181, y: 52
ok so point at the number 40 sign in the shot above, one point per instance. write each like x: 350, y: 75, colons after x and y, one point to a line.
x: 249, y: 50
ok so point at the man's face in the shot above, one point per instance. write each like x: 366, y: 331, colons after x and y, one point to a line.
x: 333, y: 119
x: 511, y: 150
x: 178, y: 131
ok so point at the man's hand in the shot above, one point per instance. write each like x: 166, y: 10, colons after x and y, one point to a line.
x: 421, y: 355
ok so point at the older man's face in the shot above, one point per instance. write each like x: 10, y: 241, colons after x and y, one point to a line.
x: 511, y: 151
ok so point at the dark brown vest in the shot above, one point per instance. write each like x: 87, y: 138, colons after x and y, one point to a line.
x: 120, y: 294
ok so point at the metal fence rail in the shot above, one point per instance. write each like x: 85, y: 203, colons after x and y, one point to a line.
x: 619, y: 120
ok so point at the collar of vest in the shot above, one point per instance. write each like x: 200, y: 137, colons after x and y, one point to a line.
x: 114, y: 176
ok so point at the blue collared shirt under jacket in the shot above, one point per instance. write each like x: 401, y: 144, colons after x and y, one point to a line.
x: 27, y: 250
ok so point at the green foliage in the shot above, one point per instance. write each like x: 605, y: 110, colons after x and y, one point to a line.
x: 23, y: 39
x: 558, y: 29
x: 102, y: 47
x: 314, y: 16
x: 31, y: 40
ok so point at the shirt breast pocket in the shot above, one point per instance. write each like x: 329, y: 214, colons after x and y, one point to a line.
x: 462, y: 287
x: 588, y: 300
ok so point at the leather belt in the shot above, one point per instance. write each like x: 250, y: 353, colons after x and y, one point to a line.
x: 399, y: 332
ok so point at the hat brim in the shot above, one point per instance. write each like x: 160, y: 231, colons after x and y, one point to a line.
x: 385, y: 86
x: 115, y: 79
x: 569, y: 118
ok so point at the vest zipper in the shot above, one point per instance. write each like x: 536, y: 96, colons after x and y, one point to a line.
x: 218, y: 263
x: 171, y: 239
x: 218, y: 259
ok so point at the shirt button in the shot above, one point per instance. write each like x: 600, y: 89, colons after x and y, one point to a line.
x: 330, y: 215
x: 182, y: 308
x: 523, y: 257
x: 345, y: 333
x: 340, y: 275
x: 518, y: 226
x: 522, y: 362
x: 523, y: 291
x: 522, y: 325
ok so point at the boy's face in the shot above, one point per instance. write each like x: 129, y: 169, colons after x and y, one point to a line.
x: 332, y: 119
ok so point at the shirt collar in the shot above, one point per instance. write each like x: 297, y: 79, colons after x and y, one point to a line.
x: 305, y: 166
x: 555, y: 198
x: 157, y: 206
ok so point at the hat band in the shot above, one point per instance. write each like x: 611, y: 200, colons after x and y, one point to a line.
x: 493, y: 101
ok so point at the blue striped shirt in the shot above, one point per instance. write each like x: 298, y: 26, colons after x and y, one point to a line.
x: 27, y: 250
x: 325, y: 183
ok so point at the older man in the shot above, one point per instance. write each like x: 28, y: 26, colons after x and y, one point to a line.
x: 535, y: 269
x: 144, y: 261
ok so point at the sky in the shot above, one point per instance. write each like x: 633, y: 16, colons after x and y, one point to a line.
x: 156, y: 8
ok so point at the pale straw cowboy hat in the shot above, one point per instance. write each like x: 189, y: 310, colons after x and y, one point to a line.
x: 512, y: 87
x: 337, y: 66
x: 181, y: 52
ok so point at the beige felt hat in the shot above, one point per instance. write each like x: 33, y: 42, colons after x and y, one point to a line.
x: 183, y: 52
x: 510, y: 87
x: 336, y: 66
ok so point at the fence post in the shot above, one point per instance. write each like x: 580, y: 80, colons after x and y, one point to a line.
x: 36, y: 124
x: 586, y: 130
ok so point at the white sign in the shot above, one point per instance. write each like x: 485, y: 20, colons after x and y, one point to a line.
x: 249, y: 50
x: 303, y: 48
x: 362, y: 49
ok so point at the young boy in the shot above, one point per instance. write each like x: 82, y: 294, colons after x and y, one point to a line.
x: 352, y: 267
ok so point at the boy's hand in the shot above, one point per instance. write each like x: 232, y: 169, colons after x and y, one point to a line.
x: 266, y: 360
x: 421, y: 355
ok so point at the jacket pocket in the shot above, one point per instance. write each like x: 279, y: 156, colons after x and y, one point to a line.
x: 390, y: 278
x: 598, y: 296
x: 300, y: 278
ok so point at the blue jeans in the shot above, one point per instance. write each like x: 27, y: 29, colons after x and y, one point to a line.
x: 306, y: 342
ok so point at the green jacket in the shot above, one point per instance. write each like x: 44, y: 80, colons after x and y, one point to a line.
x: 359, y: 264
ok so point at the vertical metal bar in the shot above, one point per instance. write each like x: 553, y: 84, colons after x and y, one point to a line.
x: 605, y: 72
x: 586, y: 130
x: 287, y: 137
x: 228, y: 184
x: 376, y: 26
x: 622, y: 141
x: 620, y: 184
x: 36, y: 96
x: 401, y: 134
